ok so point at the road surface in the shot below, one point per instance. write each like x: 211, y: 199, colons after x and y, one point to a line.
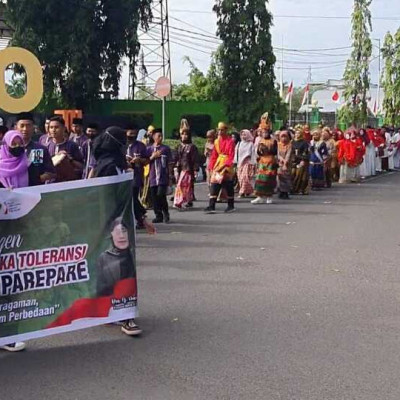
x: 299, y: 300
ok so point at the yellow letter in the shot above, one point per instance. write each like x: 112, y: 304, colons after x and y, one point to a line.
x: 34, y: 77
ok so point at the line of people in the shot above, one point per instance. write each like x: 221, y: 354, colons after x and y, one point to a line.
x: 295, y: 161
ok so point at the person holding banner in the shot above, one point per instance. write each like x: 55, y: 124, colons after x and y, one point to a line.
x: 13, y: 162
x: 41, y: 169
x: 109, y: 150
x: 66, y: 156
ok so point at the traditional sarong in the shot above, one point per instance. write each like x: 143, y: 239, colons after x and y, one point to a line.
x: 317, y: 172
x: 301, y: 177
x: 284, y: 181
x: 184, y: 189
x: 245, y: 175
x: 266, y: 177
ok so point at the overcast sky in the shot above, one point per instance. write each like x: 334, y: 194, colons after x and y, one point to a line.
x: 296, y: 33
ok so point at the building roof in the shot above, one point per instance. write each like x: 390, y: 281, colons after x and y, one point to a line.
x: 323, y: 98
x: 5, y: 30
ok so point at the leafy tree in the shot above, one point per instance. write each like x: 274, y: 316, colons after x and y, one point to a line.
x: 391, y: 78
x: 80, y: 43
x: 201, y: 87
x: 16, y: 87
x: 356, y: 75
x: 247, y: 59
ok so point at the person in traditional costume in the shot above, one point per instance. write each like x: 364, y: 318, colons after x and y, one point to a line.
x: 369, y: 162
x: 267, y: 169
x: 208, y: 149
x: 221, y: 168
x: 396, y: 146
x: 285, y: 160
x: 307, y: 133
x: 331, y: 146
x: 364, y: 167
x: 245, y: 160
x: 300, y: 165
x: 351, y: 153
x: 319, y: 156
x: 187, y: 166
x: 145, y: 196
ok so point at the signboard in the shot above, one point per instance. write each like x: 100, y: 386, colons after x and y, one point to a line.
x: 163, y: 87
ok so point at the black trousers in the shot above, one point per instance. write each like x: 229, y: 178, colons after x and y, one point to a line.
x: 215, y: 188
x: 140, y: 211
x: 160, y: 203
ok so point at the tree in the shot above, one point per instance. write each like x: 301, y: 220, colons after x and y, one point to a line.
x: 391, y: 78
x: 16, y: 87
x: 80, y: 43
x: 247, y: 60
x: 356, y: 75
x: 201, y: 87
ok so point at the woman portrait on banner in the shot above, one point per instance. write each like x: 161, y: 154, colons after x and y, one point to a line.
x: 115, y: 265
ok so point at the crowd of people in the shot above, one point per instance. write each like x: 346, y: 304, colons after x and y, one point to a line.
x: 255, y: 163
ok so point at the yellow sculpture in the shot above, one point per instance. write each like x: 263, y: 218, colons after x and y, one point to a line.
x: 34, y: 77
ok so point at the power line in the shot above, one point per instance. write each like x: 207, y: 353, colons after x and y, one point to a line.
x: 294, y: 16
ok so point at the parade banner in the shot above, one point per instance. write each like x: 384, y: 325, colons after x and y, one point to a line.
x: 67, y: 257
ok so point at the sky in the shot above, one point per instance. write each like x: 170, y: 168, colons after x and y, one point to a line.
x: 314, y: 34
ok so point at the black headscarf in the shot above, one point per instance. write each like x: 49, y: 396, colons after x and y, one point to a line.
x: 109, y: 150
x: 113, y: 266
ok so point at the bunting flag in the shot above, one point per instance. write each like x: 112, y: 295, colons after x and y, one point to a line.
x: 336, y: 97
x: 305, y: 97
x: 289, y: 93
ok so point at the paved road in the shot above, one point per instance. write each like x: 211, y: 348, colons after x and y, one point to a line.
x: 294, y: 301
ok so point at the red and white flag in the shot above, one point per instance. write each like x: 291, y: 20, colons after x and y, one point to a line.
x: 336, y: 97
x: 289, y: 93
x: 305, y: 97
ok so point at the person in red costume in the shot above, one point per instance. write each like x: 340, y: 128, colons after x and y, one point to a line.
x: 221, y: 169
x: 307, y: 133
x: 379, y: 143
x: 350, y: 156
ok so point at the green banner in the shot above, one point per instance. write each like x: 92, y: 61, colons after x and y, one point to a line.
x: 67, y: 257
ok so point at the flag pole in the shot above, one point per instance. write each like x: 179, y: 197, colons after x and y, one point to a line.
x: 290, y: 110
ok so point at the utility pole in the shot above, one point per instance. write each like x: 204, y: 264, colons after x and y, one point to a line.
x: 309, y: 79
x: 155, y: 56
x: 282, y: 60
x: 378, y: 97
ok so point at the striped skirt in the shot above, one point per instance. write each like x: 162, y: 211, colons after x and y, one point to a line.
x: 245, y: 174
x: 266, y: 178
